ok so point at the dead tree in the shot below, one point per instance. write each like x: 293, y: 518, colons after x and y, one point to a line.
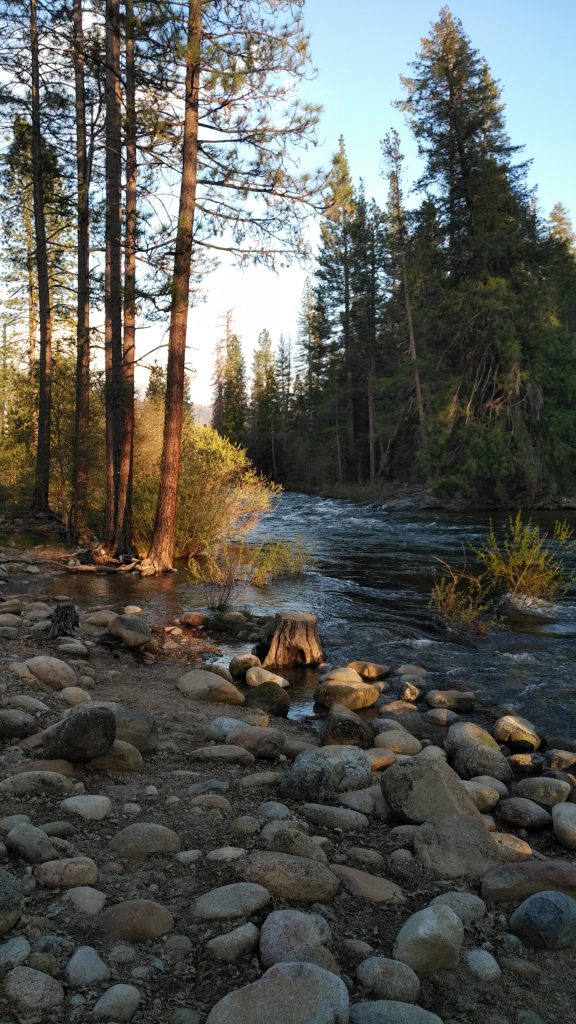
x: 294, y: 640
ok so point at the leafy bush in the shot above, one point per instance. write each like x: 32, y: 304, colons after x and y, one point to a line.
x: 525, y: 562
x: 459, y: 598
x: 220, y: 493
x: 280, y: 558
x: 226, y: 573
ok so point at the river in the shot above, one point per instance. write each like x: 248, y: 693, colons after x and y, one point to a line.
x: 370, y: 588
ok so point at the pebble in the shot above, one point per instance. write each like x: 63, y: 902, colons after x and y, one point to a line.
x: 544, y: 791
x: 466, y: 905
x: 189, y: 857
x: 236, y: 944
x: 430, y: 940
x: 85, y: 968
x: 371, y: 888
x: 388, y: 979
x: 482, y: 965
x: 32, y: 993
x: 225, y: 853
x: 15, y: 951
x: 144, y: 839
x: 87, y: 900
x: 286, y: 931
x: 119, y: 1003
x: 67, y: 873
x: 135, y: 921
x: 31, y: 843
x: 88, y: 806
x: 240, y: 899
x: 564, y: 823
x: 334, y: 817
x: 290, y: 878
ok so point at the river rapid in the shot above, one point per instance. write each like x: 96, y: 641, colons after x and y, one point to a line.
x: 370, y: 588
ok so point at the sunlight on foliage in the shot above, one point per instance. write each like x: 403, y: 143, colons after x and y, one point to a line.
x: 220, y: 493
x: 527, y: 561
x: 524, y: 562
x: 227, y: 572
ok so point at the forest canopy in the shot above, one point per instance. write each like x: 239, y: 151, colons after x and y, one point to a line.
x: 437, y: 333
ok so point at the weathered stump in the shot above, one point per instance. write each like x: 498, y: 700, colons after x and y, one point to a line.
x: 64, y: 620
x: 294, y: 640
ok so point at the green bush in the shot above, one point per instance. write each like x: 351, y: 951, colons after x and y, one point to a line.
x: 220, y: 493
x: 524, y: 562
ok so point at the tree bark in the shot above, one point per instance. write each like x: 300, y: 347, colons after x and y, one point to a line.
x: 123, y: 524
x: 42, y: 474
x: 161, y: 553
x: 294, y: 641
x: 414, y: 357
x: 113, y: 267
x: 64, y: 620
x: 79, y: 510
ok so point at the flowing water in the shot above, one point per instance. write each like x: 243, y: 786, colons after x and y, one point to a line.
x: 370, y: 588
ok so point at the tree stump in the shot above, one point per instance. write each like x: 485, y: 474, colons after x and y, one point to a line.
x: 64, y: 620
x: 294, y: 641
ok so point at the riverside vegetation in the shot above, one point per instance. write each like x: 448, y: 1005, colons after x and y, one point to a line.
x: 526, y: 565
x: 173, y: 848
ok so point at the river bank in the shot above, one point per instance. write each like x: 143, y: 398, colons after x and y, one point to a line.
x: 331, y: 855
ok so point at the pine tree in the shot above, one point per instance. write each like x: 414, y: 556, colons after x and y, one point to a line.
x: 264, y: 402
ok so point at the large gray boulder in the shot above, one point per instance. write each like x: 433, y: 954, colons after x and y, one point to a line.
x: 319, y: 774
x: 130, y: 629
x: 87, y: 732
x: 200, y: 685
x: 430, y: 940
x: 286, y: 994
x: 455, y: 846
x: 546, y: 920
x: 419, y: 789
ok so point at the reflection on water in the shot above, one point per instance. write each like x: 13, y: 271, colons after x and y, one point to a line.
x: 370, y: 589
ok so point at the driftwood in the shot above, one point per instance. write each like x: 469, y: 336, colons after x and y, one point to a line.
x: 64, y: 620
x: 294, y: 640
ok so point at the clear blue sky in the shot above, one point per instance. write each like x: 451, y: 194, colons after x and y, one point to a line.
x: 360, y: 48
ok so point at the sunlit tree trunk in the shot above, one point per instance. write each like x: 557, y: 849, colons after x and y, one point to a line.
x: 123, y: 531
x: 161, y: 552
x: 79, y: 511
x: 113, y: 267
x: 42, y: 474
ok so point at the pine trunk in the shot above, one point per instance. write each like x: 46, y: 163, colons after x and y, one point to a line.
x: 161, y: 553
x: 294, y: 641
x: 79, y: 511
x: 42, y: 473
x: 123, y: 531
x: 113, y: 267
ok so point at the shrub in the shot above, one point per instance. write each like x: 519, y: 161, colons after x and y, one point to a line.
x: 220, y: 493
x: 527, y: 561
x: 280, y: 558
x: 524, y: 562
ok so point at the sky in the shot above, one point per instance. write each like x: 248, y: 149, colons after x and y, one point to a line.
x: 360, y: 49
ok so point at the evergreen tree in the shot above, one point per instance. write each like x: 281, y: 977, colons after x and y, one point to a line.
x: 264, y: 401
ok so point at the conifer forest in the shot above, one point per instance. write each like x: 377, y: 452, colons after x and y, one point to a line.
x: 141, y: 141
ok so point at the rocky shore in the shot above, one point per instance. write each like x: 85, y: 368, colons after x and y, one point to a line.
x: 175, y: 850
